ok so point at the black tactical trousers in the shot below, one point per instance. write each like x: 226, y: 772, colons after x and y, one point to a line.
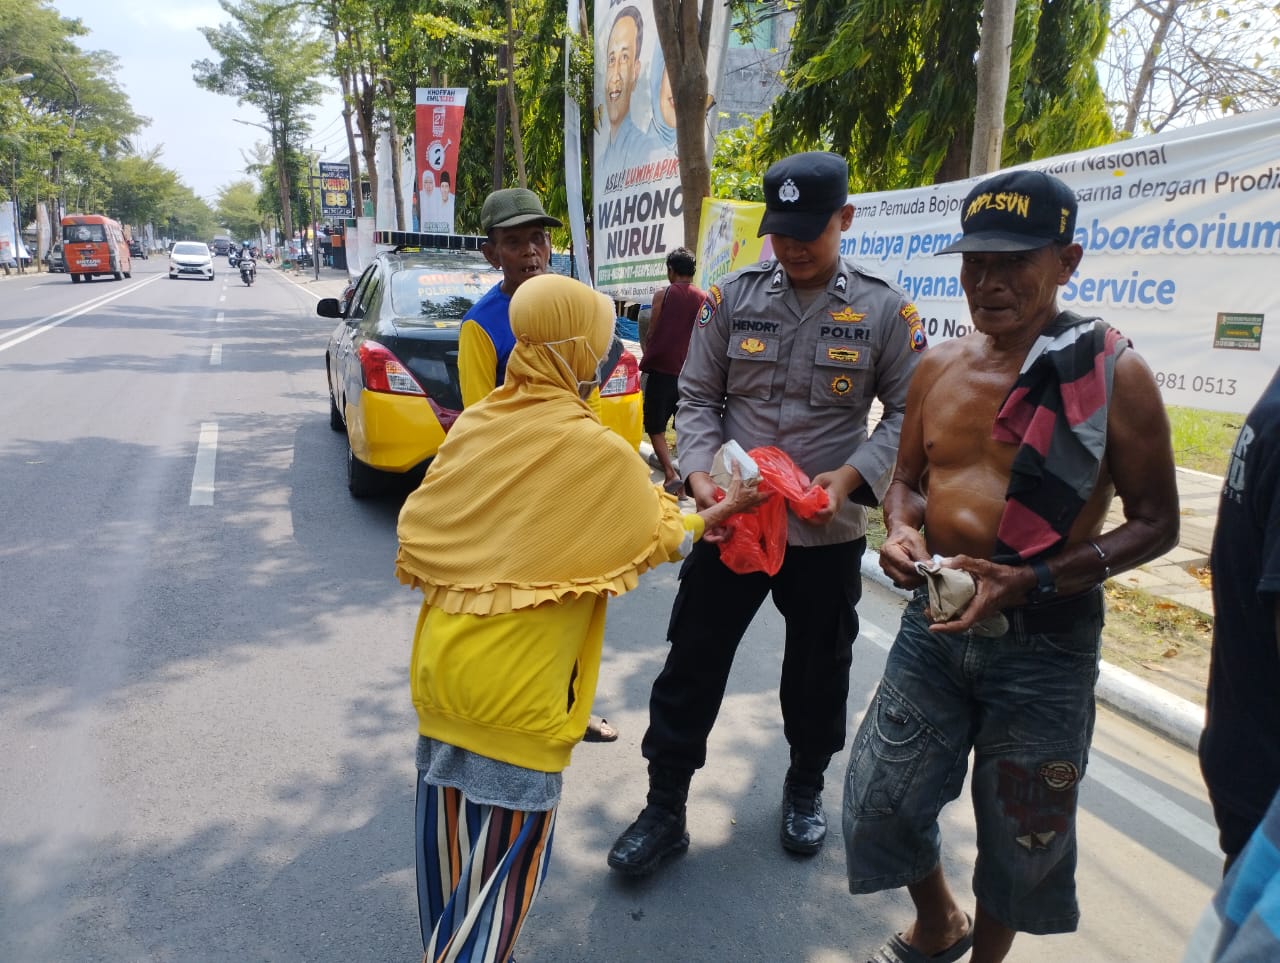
x: 816, y: 591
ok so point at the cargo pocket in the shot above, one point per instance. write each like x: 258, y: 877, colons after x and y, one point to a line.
x: 890, y: 744
x: 839, y: 372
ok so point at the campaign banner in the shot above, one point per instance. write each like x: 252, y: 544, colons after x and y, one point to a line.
x: 438, y: 115
x: 335, y: 190
x: 727, y: 239
x: 9, y: 236
x: 637, y: 199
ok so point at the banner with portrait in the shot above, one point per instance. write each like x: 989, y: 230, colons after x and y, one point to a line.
x: 335, y: 190
x: 637, y: 202
x: 438, y: 113
x: 727, y: 239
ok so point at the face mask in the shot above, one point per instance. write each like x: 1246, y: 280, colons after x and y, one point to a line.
x: 584, y: 387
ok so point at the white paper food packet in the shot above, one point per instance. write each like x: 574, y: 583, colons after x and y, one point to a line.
x: 732, y: 453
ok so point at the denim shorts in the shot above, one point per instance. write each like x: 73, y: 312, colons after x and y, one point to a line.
x: 1023, y: 703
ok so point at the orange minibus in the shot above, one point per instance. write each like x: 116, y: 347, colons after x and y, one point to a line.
x: 93, y: 244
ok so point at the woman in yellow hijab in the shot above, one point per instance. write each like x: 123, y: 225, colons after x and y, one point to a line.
x: 532, y: 515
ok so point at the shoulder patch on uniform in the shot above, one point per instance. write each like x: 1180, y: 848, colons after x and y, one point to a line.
x: 915, y: 327
x: 708, y: 310
x: 714, y: 294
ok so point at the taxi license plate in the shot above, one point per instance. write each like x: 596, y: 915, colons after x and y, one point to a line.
x: 88, y: 262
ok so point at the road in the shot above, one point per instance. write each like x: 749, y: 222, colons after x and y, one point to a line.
x: 205, y: 732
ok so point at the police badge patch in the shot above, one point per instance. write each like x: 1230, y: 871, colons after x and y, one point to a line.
x: 841, y: 385
x: 708, y: 309
x: 915, y: 327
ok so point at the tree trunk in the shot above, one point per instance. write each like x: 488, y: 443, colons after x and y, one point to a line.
x: 353, y: 157
x: 685, y: 35
x: 500, y: 127
x: 397, y: 173
x: 1163, y: 21
x: 993, y: 86
x: 513, y: 107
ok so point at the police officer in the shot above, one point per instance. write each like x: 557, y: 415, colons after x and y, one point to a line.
x: 790, y: 353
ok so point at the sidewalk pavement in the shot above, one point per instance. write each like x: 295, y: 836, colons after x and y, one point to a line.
x: 1168, y: 577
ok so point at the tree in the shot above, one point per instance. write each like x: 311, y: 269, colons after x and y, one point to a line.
x: 684, y: 31
x: 993, y: 86
x: 892, y: 85
x: 238, y: 208
x: 270, y: 60
x: 1173, y: 62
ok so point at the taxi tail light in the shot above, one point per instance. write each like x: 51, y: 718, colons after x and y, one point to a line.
x: 625, y: 379
x: 383, y: 371
x: 446, y: 416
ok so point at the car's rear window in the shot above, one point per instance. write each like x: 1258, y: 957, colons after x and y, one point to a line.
x: 432, y: 294
x: 84, y: 232
x: 190, y: 247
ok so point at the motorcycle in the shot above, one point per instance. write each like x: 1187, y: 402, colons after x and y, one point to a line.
x: 233, y: 258
x: 248, y: 270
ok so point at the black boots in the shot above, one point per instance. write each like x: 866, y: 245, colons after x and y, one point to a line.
x: 804, y: 826
x: 659, y: 831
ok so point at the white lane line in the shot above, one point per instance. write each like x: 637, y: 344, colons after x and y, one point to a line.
x: 15, y: 337
x: 215, y: 354
x: 1151, y: 803
x: 218, y: 319
x: 206, y: 456
x: 223, y: 297
x: 1133, y: 791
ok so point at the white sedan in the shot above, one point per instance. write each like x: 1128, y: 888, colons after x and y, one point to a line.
x: 190, y: 259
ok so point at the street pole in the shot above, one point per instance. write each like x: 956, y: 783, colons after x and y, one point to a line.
x: 315, y: 234
x: 17, y: 258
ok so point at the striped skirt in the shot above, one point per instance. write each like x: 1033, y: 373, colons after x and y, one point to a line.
x: 479, y: 868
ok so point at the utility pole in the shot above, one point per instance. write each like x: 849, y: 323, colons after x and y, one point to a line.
x: 315, y: 233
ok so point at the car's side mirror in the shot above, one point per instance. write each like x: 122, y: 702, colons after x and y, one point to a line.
x: 329, y: 308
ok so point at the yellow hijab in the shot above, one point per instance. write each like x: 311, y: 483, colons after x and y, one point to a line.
x: 530, y: 498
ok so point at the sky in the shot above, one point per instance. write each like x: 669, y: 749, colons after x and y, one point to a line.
x: 156, y: 43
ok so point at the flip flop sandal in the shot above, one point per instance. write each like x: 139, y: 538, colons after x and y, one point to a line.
x: 674, y: 487
x: 599, y: 730
x: 898, y: 950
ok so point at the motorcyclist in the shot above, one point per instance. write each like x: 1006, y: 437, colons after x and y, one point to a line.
x: 248, y: 267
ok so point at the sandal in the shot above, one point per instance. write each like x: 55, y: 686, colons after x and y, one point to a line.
x: 599, y: 730
x: 674, y: 487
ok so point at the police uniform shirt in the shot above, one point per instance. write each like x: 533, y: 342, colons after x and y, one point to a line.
x: 763, y: 370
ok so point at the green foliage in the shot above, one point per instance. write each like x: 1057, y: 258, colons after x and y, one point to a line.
x: 893, y: 85
x: 238, y: 208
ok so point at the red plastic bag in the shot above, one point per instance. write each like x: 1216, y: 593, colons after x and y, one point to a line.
x: 757, y: 540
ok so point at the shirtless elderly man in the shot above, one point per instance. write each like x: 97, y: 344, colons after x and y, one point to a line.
x: 1015, y: 440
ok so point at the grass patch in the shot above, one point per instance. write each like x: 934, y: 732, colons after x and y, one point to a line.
x: 1202, y: 439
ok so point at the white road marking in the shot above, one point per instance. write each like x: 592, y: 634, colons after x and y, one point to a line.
x: 218, y: 319
x: 15, y: 337
x: 1134, y: 791
x: 215, y: 354
x: 223, y: 297
x: 206, y: 457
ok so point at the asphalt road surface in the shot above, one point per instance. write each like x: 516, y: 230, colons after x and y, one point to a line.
x: 206, y: 738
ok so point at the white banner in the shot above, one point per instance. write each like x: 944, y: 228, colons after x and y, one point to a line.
x: 1181, y: 232
x: 639, y: 206
x: 8, y: 236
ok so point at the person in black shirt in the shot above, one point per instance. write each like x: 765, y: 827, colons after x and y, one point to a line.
x: 1240, y: 747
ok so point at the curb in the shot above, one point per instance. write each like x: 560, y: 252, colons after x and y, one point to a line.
x: 1163, y: 712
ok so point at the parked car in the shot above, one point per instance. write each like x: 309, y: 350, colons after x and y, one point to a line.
x: 55, y: 263
x: 190, y: 259
x: 137, y: 249
x: 392, y: 362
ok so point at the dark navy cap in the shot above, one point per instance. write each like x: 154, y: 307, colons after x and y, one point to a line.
x: 801, y: 192
x: 1016, y: 211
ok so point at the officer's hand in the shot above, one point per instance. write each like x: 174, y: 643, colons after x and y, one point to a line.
x: 702, y: 488
x: 837, y: 484
x: 902, y: 548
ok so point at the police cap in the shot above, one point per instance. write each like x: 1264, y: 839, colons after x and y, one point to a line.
x: 801, y: 192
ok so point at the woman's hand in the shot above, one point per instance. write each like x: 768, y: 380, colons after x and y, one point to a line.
x: 742, y: 496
